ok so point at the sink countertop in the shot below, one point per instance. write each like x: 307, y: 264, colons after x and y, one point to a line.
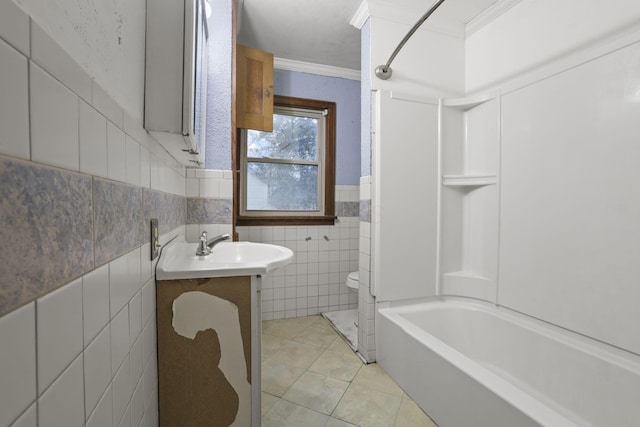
x: 179, y: 261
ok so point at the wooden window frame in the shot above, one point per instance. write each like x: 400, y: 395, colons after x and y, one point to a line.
x: 328, y: 217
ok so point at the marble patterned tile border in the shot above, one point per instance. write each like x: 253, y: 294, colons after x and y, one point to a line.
x: 46, y: 236
x: 347, y: 209
x: 209, y: 210
x: 117, y: 219
x: 56, y: 225
x: 170, y: 209
x: 365, y: 210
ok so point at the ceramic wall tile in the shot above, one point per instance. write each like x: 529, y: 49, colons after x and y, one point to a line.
x: 14, y: 103
x: 60, y: 337
x: 135, y: 317
x: 93, y: 140
x: 17, y: 362
x: 104, y: 103
x: 133, y: 161
x: 102, y: 416
x: 170, y: 209
x: 95, y: 302
x: 116, y: 153
x: 121, y: 391
x: 119, y: 339
x: 63, y: 403
x: 97, y: 369
x: 137, y: 405
x: 29, y: 418
x: 54, y: 121
x: 14, y: 26
x: 50, y: 56
x: 218, y: 211
x: 118, y: 219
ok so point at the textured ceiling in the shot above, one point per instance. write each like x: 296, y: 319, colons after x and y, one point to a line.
x: 318, y: 31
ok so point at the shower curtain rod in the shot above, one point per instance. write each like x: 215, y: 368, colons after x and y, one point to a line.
x: 384, y: 71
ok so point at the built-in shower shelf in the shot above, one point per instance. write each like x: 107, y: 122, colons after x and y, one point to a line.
x: 467, y: 283
x: 468, y: 180
x: 468, y: 102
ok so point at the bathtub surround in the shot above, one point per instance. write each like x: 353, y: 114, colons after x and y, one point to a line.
x: 79, y: 180
x: 532, y: 180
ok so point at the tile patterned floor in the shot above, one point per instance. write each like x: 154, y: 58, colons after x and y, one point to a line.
x: 310, y: 377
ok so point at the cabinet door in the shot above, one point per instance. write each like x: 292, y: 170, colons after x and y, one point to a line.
x: 254, y: 85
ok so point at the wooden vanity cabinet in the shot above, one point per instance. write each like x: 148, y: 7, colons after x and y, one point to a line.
x: 209, y: 352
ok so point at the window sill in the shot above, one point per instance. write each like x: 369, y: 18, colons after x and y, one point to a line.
x: 285, y: 220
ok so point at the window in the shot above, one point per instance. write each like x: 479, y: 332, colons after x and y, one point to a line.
x: 287, y: 176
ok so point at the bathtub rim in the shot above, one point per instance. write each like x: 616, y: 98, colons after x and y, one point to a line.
x: 623, y: 358
x: 538, y: 409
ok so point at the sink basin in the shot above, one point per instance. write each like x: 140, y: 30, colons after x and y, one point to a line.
x: 179, y: 261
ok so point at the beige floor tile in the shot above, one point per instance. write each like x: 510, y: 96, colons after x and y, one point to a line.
x: 291, y: 353
x: 277, y: 377
x: 410, y: 415
x: 339, y: 346
x: 367, y: 408
x: 321, y: 322
x: 334, y: 422
x: 287, y: 414
x: 267, y: 402
x: 318, y: 337
x: 373, y: 376
x: 343, y: 366
x: 317, y: 392
x: 287, y: 328
x: 272, y: 342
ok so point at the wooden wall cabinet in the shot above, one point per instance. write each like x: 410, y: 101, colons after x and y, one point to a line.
x: 254, y: 89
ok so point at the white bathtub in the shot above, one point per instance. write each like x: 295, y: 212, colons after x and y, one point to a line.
x: 468, y: 363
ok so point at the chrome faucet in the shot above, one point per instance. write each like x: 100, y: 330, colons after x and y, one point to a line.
x: 206, y: 245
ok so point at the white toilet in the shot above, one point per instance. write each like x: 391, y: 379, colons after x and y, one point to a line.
x: 353, y: 281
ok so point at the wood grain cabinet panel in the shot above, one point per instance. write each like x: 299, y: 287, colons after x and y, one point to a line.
x: 254, y: 89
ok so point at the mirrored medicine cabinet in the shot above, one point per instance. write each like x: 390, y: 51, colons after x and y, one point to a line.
x: 176, y: 77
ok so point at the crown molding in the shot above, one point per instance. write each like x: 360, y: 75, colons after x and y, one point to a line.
x: 311, y: 68
x: 489, y: 15
x: 360, y: 17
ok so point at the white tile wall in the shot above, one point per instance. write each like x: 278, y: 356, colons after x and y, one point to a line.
x: 93, y: 141
x: 97, y: 369
x: 59, y: 368
x: 95, y: 302
x: 49, y: 55
x: 366, y: 304
x: 29, y: 418
x: 17, y: 362
x: 14, y: 26
x: 102, y: 416
x: 14, y: 102
x: 116, y: 153
x: 54, y: 121
x: 60, y: 336
x: 133, y: 160
x: 63, y: 403
x: 324, y: 255
x: 208, y: 183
